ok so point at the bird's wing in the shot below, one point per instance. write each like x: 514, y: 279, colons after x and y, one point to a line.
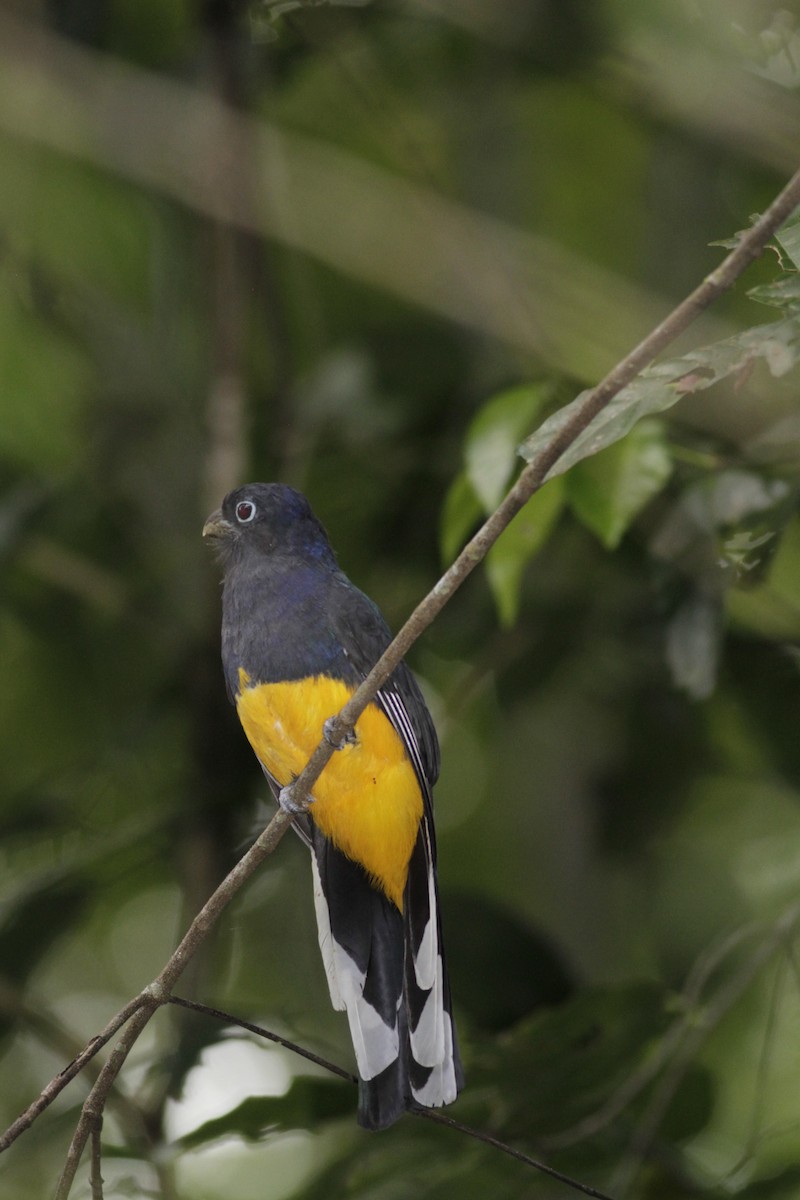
x: 363, y: 635
x: 432, y: 1063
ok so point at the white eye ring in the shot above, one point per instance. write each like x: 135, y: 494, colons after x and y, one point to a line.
x: 245, y: 511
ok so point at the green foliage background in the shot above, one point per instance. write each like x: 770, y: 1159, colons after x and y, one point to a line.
x: 419, y: 228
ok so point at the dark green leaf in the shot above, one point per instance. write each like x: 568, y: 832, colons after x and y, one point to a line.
x: 308, y: 1102
x: 772, y: 609
x: 608, y: 490
x: 516, y: 546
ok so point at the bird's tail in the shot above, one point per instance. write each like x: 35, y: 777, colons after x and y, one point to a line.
x: 386, y: 970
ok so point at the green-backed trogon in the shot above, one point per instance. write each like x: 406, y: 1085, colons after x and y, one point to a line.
x: 297, y: 639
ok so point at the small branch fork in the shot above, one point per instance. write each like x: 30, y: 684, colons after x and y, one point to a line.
x: 135, y: 1016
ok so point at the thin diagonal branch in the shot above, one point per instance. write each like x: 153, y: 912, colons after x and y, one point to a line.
x: 440, y: 1118
x: 260, y: 1031
x: 533, y: 475
x: 427, y: 1114
x: 60, y: 1081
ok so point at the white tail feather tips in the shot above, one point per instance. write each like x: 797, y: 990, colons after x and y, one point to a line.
x: 429, y: 1041
x: 376, y: 1046
x: 441, y: 1086
x: 330, y: 951
x: 427, y: 961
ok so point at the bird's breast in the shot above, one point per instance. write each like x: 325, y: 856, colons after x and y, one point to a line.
x: 367, y: 800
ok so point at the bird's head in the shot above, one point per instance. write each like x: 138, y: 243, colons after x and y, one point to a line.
x: 266, y: 518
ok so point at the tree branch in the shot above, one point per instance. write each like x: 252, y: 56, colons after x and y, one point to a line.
x: 749, y: 247
x: 268, y: 1034
x: 60, y: 1081
x: 427, y: 1114
x: 424, y: 1113
x: 139, y: 1011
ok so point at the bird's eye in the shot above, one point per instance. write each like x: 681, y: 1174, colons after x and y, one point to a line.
x: 245, y: 511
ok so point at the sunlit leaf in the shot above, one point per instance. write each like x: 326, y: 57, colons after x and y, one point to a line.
x: 663, y: 384
x: 493, y: 436
x: 608, y: 490
x: 516, y: 546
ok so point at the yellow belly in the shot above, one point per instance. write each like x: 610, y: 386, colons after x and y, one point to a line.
x: 367, y: 800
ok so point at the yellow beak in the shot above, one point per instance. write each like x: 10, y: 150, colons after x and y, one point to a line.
x: 216, y: 526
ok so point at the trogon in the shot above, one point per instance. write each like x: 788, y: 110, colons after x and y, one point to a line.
x: 297, y: 639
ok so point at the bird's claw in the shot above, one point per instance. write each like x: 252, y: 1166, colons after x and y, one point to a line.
x: 286, y: 800
x: 333, y: 738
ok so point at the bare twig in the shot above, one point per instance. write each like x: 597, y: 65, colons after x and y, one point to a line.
x: 60, y: 1081
x: 34, y: 1013
x: 270, y: 1036
x: 439, y: 1118
x: 92, y: 1112
x: 533, y: 475
x: 97, y: 1160
x: 158, y: 992
x: 427, y: 1114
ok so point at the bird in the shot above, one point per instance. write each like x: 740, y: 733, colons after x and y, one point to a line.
x: 298, y: 637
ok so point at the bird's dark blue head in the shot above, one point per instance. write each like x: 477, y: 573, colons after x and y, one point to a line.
x: 268, y: 519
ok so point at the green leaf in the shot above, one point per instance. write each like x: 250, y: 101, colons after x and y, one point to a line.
x: 516, y: 546
x: 663, y: 384
x: 461, y: 512
x: 788, y: 237
x: 610, y: 489
x: 772, y: 610
x: 308, y: 1101
x: 781, y: 293
x: 492, y: 438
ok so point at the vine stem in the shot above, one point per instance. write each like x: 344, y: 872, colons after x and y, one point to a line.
x: 138, y: 1012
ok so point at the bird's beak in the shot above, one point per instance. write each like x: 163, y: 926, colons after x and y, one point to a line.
x: 216, y: 526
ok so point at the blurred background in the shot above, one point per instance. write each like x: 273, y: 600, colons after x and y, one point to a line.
x: 365, y: 248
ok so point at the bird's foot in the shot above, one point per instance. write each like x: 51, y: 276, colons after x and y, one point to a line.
x: 287, y: 802
x: 336, y: 739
